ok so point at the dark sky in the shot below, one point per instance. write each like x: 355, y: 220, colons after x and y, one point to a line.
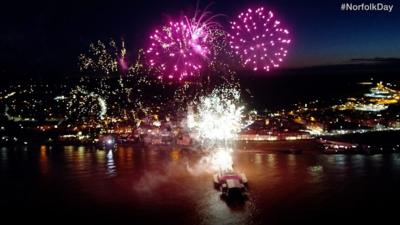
x: 47, y: 36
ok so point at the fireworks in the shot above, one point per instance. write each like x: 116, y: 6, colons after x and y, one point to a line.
x: 181, y: 48
x: 177, y: 52
x: 219, y: 116
x: 259, y: 39
x: 121, y: 83
x: 215, y: 121
x: 221, y: 159
x: 107, y: 58
x: 85, y: 104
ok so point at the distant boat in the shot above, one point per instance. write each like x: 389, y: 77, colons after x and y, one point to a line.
x: 330, y: 146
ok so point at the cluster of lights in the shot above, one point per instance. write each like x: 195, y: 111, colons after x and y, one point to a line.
x: 123, y: 96
x: 215, y: 121
x: 107, y: 58
x: 179, y: 49
x: 21, y: 106
x: 259, y: 39
x: 219, y: 117
x: 83, y: 103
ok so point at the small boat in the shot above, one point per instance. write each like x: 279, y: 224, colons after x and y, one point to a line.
x: 338, y: 147
x: 231, y: 183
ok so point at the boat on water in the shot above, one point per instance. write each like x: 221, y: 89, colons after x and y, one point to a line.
x: 231, y: 183
x: 335, y: 147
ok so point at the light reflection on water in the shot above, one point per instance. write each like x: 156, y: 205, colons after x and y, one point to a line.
x: 3, y: 154
x: 44, y: 163
x: 153, y: 185
x: 111, y: 171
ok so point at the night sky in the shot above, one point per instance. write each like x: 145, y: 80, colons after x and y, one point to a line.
x: 47, y: 36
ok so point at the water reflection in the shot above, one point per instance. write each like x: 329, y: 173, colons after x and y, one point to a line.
x: 44, y: 162
x: 258, y: 158
x: 125, y: 158
x: 271, y: 159
x: 174, y: 154
x: 217, y: 211
x: 154, y: 185
x: 396, y: 161
x: 4, y: 155
x: 3, y: 158
x: 316, y: 173
x: 292, y: 160
x: 111, y: 171
x: 100, y: 157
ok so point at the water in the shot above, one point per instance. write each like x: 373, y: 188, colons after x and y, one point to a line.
x: 137, y: 185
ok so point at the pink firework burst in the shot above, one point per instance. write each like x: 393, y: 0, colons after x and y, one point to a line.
x: 259, y: 39
x: 180, y: 49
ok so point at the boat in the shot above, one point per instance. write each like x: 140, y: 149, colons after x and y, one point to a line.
x: 231, y: 183
x: 336, y: 147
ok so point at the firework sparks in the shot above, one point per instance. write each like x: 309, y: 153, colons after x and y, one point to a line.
x: 217, y: 121
x: 259, y: 39
x: 221, y: 159
x: 176, y: 51
x: 181, y: 48
x: 107, y: 61
x: 108, y: 58
x: 219, y: 117
x: 82, y: 103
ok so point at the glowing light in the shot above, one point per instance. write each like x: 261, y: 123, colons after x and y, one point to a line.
x: 219, y: 117
x: 259, y: 39
x: 103, y: 107
x: 221, y: 159
x: 82, y: 103
x: 180, y: 49
x: 110, y: 141
x: 215, y: 122
x: 104, y: 57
